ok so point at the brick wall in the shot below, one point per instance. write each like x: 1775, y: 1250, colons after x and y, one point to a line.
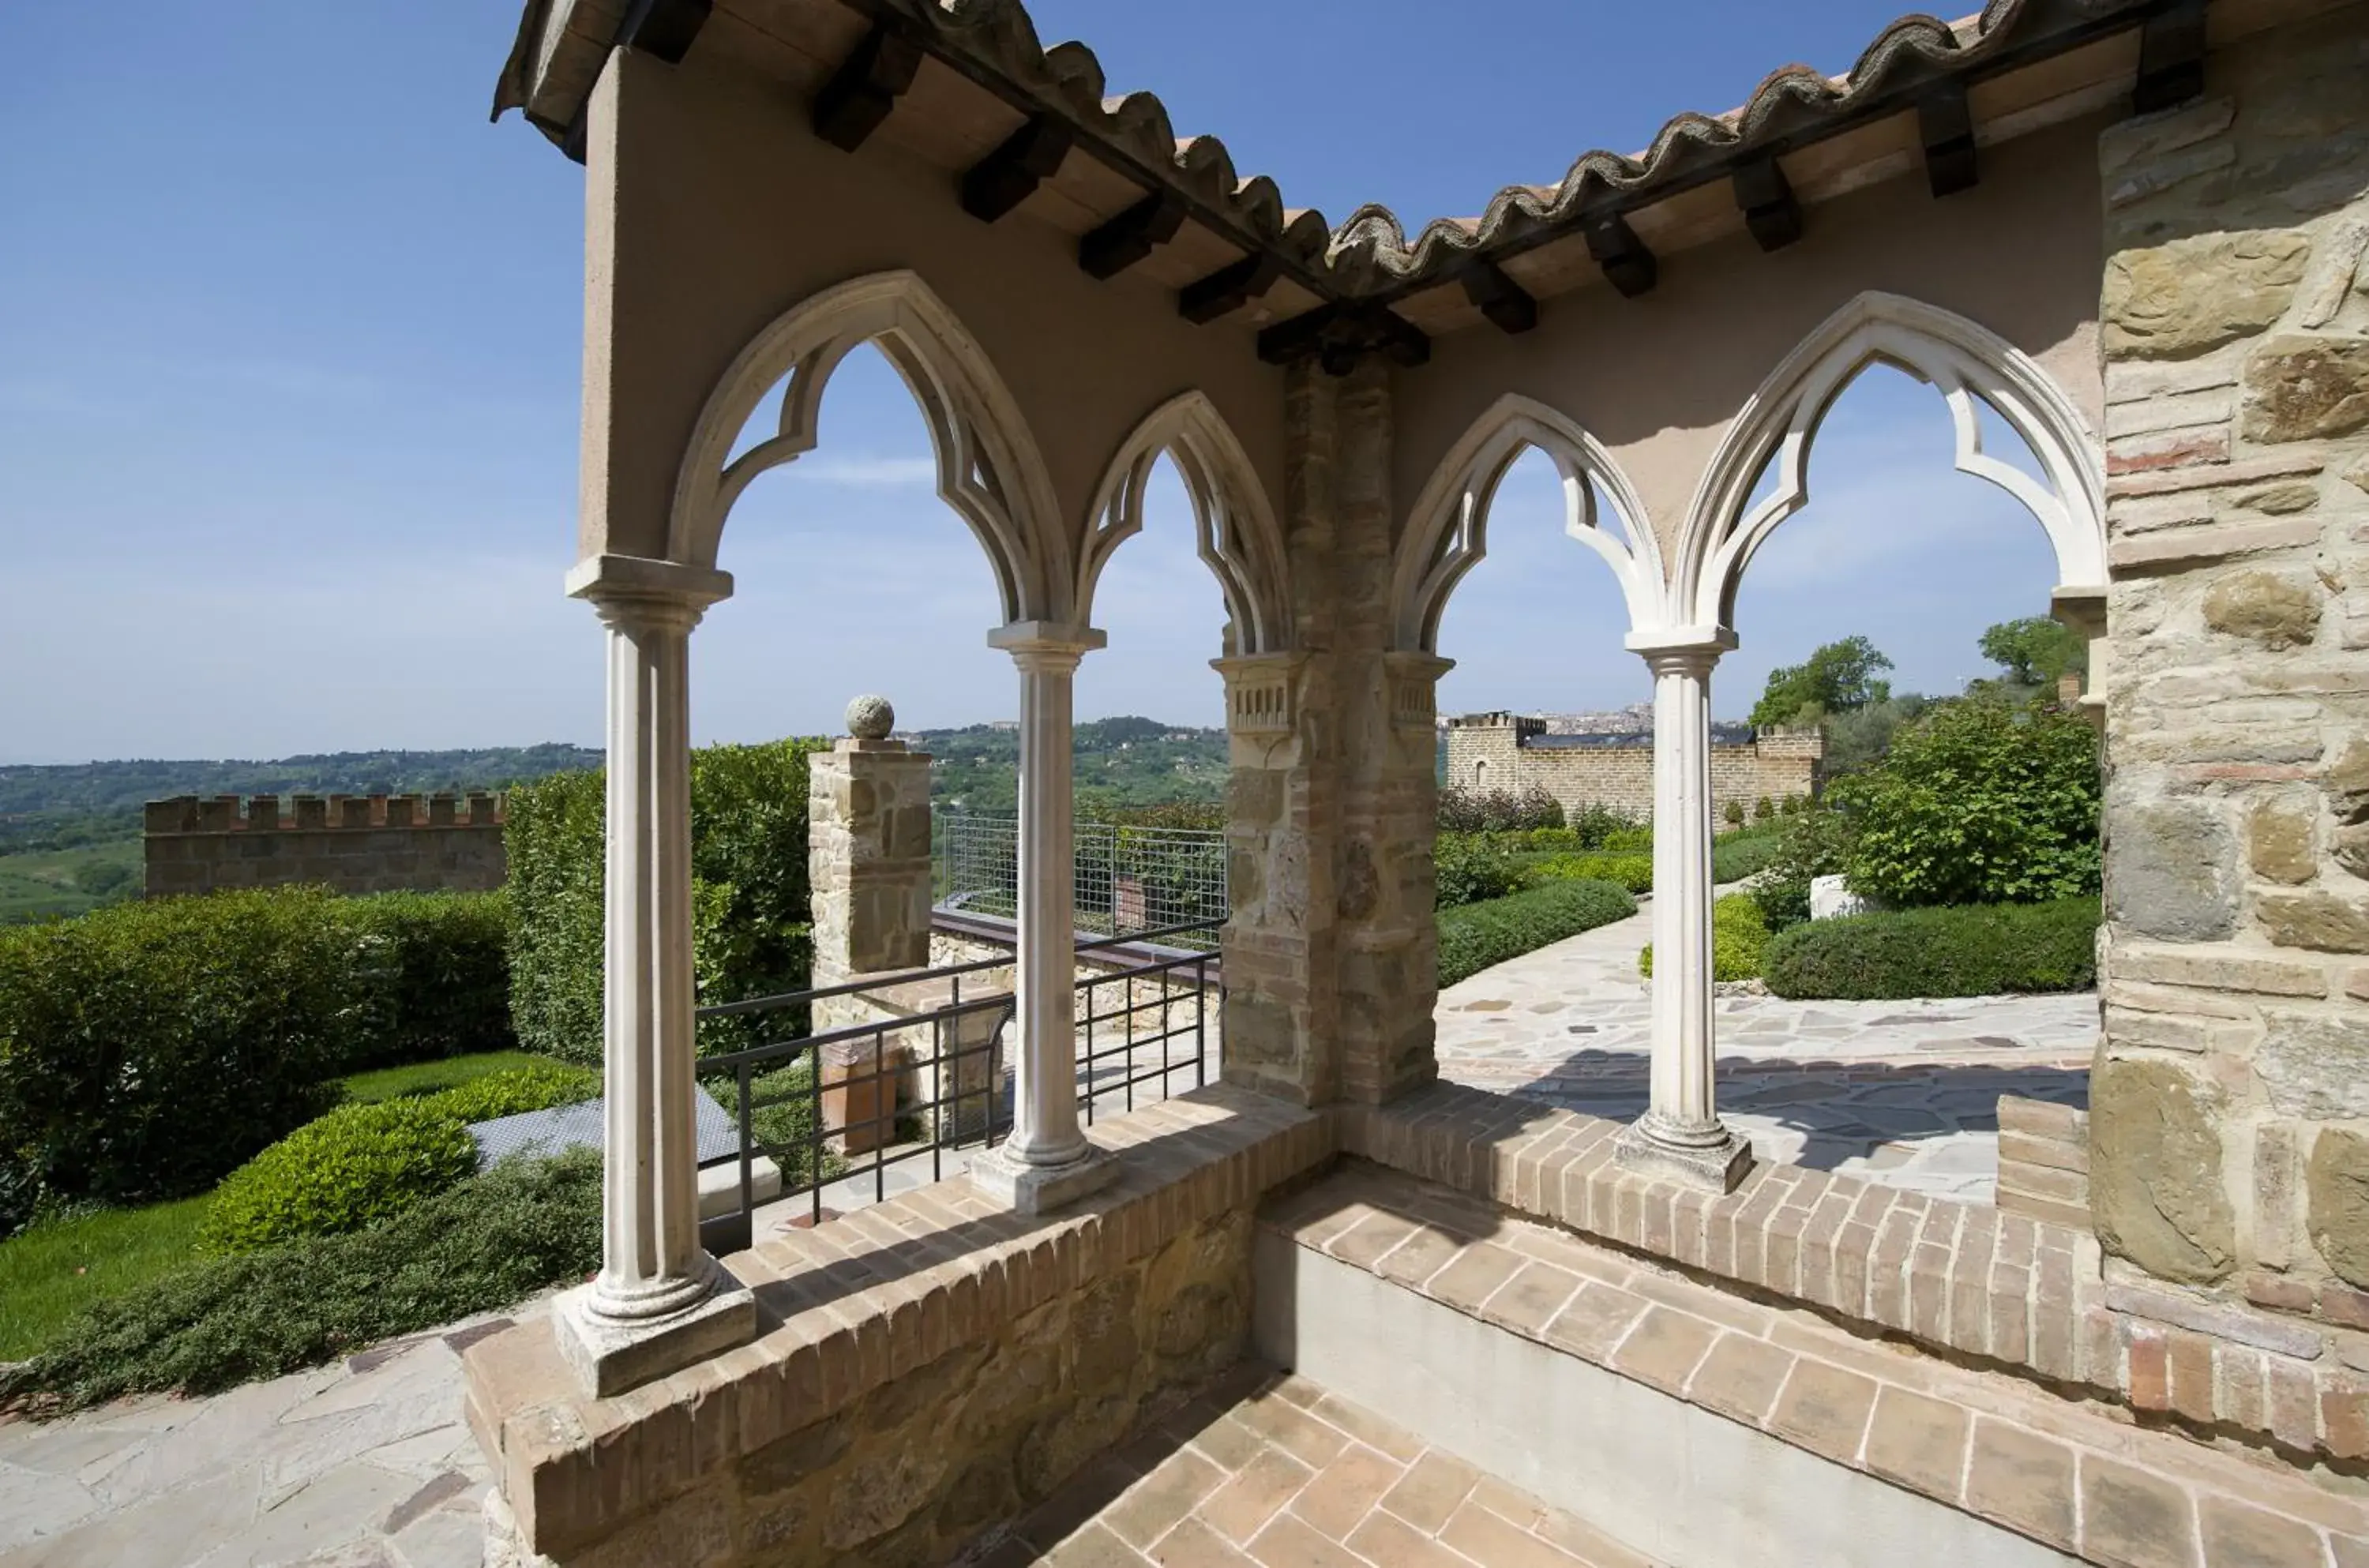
x: 1494, y: 751
x: 352, y: 843
x: 2229, y: 1108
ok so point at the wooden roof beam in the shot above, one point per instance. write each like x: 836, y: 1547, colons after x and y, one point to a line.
x: 1339, y: 335
x: 1946, y: 127
x: 1132, y: 235
x: 1766, y: 198
x: 1011, y: 174
x: 2171, y: 58
x: 1630, y: 267
x: 1228, y: 288
x: 663, y: 29
x: 1497, y: 296
x: 861, y: 94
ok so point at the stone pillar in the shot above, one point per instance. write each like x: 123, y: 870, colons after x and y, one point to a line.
x: 868, y: 851
x: 1047, y: 1161
x: 659, y: 1301
x: 1681, y: 1134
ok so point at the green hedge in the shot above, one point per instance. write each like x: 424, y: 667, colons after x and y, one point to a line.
x: 437, y: 976
x: 1632, y: 872
x: 1468, y: 867
x: 751, y: 904
x: 1739, y: 941
x: 361, y: 1164
x: 494, y: 1240
x: 148, y: 1049
x: 1478, y: 935
x: 1974, y: 950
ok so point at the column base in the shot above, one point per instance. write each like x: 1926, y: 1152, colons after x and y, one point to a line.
x: 609, y: 1356
x: 1040, y: 1189
x: 1716, y: 1166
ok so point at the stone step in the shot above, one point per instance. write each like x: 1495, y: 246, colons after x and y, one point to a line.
x: 1704, y: 1429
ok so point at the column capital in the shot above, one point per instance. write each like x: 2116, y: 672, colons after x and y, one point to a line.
x: 1050, y: 645
x: 1681, y: 649
x: 638, y: 589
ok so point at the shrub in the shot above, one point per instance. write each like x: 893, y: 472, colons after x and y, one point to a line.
x: 357, y: 1165
x: 1764, y: 810
x: 1472, y: 866
x: 1739, y: 942
x: 1981, y: 950
x: 1978, y: 802
x: 1631, y: 837
x: 437, y: 971
x: 1632, y: 872
x: 1477, y: 935
x: 750, y: 896
x: 1815, y: 843
x: 1462, y: 810
x: 1732, y: 814
x: 1734, y: 856
x: 515, y: 1093
x: 1598, y: 825
x: 148, y: 1049
x: 496, y: 1238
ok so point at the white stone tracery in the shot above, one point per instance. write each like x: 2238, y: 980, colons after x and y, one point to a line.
x: 1969, y: 366
x: 1449, y: 533
x: 989, y: 469
x: 1235, y: 530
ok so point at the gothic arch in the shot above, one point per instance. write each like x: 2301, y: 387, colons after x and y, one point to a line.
x: 1447, y: 532
x: 1234, y: 529
x: 989, y: 469
x: 1968, y: 365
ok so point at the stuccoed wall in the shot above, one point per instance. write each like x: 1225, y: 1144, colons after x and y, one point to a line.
x: 2230, y: 1101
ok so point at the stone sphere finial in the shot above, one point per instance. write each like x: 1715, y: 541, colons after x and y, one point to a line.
x: 870, y: 717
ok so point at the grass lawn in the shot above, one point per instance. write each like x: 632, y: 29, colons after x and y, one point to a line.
x: 50, y: 1271
x: 431, y: 1077
x: 49, y: 884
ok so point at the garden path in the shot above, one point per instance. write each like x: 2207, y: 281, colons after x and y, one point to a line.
x: 1904, y: 1093
x: 361, y: 1464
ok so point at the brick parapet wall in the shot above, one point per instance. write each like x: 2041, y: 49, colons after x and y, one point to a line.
x: 936, y: 1364
x: 351, y: 843
x: 1774, y: 766
x: 1965, y: 1281
x: 2229, y: 1145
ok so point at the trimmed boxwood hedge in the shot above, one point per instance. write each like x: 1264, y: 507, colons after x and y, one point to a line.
x: 1631, y: 871
x: 1475, y: 936
x: 1739, y: 941
x: 148, y: 1049
x: 361, y: 1164
x: 1969, y: 950
x: 496, y: 1238
x: 751, y: 904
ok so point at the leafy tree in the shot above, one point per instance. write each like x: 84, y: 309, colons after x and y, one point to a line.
x: 2035, y: 651
x: 1980, y: 801
x: 1860, y: 737
x: 1837, y: 678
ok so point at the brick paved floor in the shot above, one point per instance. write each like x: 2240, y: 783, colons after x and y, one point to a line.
x: 1272, y: 1471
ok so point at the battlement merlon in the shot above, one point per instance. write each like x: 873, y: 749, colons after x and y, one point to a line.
x: 313, y: 813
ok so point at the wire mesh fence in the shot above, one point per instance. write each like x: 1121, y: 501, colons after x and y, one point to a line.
x: 1127, y: 879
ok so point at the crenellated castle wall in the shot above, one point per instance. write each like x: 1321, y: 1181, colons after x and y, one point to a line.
x: 1494, y: 751
x: 352, y: 843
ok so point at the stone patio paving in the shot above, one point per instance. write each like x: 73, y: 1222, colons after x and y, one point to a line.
x: 361, y: 1464
x: 1904, y: 1093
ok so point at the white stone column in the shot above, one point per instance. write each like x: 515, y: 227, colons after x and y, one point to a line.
x: 1047, y: 1161
x: 659, y: 1301
x: 1681, y: 1134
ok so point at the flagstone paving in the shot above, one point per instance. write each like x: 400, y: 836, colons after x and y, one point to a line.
x: 363, y: 1464
x: 1905, y: 1093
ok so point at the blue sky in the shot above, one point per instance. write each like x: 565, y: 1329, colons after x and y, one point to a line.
x: 289, y: 362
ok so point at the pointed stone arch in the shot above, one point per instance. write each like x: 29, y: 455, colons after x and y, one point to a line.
x: 1446, y: 533
x: 1969, y: 365
x: 989, y: 467
x: 1235, y: 531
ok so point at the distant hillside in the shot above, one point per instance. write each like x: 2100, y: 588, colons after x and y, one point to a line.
x: 1120, y: 761
x: 60, y: 807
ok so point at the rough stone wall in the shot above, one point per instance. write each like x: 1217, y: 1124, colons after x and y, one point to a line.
x: 1774, y: 766
x: 868, y: 858
x: 2230, y: 1100
x: 349, y: 843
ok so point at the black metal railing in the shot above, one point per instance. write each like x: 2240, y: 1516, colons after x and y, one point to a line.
x: 857, y: 1099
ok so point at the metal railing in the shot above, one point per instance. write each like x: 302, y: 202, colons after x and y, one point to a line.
x: 929, y: 1076
x: 1128, y: 880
